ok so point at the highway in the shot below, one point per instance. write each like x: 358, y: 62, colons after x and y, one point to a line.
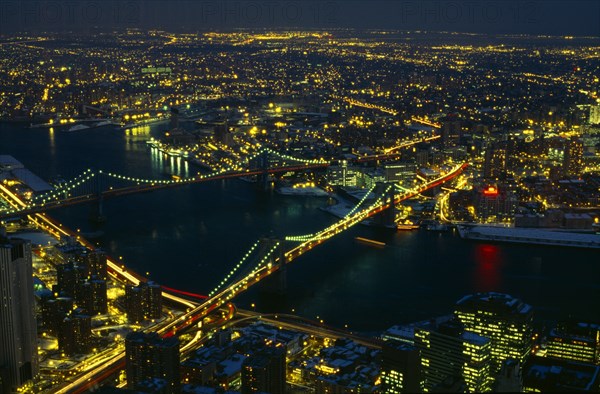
x: 312, y: 327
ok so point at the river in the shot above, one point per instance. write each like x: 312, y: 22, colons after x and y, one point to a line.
x: 190, y: 237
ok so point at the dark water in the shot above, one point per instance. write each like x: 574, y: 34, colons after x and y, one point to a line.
x: 190, y: 237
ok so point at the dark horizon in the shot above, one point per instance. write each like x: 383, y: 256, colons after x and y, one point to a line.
x: 512, y: 17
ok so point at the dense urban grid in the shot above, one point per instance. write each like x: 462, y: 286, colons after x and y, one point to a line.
x: 495, y: 138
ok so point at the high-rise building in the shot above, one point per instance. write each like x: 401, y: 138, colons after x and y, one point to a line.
x: 548, y: 375
x: 153, y: 301
x: 54, y: 311
x: 69, y: 278
x: 143, y: 302
x: 96, y: 264
x: 93, y: 296
x: 149, y: 356
x: 400, y: 368
x: 451, y: 131
x: 594, y: 114
x: 264, y: 371
x: 507, y: 321
x: 448, y: 351
x: 401, y: 172
x: 573, y: 157
x: 509, y: 379
x: 18, y: 330
x: 134, y: 298
x: 492, y: 203
x: 75, y: 333
x: 494, y: 166
x: 221, y: 131
x: 575, y: 341
x: 174, y: 121
x: 343, y: 175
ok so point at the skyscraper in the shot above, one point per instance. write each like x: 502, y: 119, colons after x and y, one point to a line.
x: 573, y: 157
x: 450, y: 352
x: 75, y: 333
x: 264, y: 372
x: 575, y: 341
x: 96, y: 264
x: 69, y: 278
x: 400, y: 368
x: 594, y: 114
x: 149, y: 356
x: 54, y: 311
x: 18, y: 331
x: 494, y: 164
x: 143, y: 301
x: 93, y: 296
x: 507, y: 321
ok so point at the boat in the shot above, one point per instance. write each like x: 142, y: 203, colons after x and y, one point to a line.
x: 104, y: 123
x: 78, y: 127
x: 369, y: 241
x: 302, y: 191
x: 437, y: 226
x: 530, y: 236
x: 173, y: 152
x: 406, y: 227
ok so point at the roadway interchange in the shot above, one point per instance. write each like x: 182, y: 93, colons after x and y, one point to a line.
x: 196, y: 312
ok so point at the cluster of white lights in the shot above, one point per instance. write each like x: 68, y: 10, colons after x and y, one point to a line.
x: 66, y: 186
x: 263, y: 261
x: 55, y: 195
x: 350, y: 217
x: 307, y: 161
x: 259, y: 267
x: 61, y: 190
x: 362, y: 200
x: 234, y: 270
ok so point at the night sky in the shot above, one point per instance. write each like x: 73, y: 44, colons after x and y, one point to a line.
x: 552, y: 17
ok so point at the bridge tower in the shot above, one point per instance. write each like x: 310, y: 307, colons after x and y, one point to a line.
x: 276, y: 283
x: 386, y: 218
x: 262, y: 163
x: 97, y: 211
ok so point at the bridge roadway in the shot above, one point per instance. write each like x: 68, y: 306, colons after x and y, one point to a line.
x: 181, y: 323
x: 312, y: 327
x: 366, y: 213
x: 236, y: 317
x: 388, y: 153
x: 148, y: 187
x: 91, y: 197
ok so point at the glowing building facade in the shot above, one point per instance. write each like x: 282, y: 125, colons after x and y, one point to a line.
x: 505, y: 320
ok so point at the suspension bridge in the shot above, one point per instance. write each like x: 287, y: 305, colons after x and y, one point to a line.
x: 271, y: 256
x: 264, y: 258
x: 95, y: 186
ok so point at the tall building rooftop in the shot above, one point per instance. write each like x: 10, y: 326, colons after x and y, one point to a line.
x: 543, y: 374
x: 498, y: 302
x: 152, y: 338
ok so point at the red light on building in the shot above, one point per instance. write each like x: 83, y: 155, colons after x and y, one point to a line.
x: 490, y: 191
